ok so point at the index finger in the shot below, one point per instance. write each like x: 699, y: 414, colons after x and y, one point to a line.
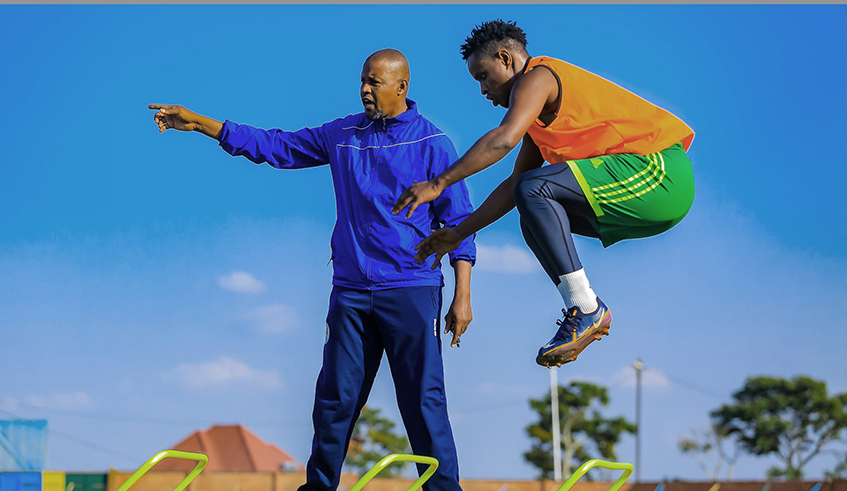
x: 158, y: 106
x: 412, y: 208
x: 438, y: 256
x: 401, y: 203
x: 457, y: 337
x: 422, y: 254
x: 426, y: 242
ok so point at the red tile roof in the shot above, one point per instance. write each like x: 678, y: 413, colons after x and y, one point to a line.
x: 231, y: 448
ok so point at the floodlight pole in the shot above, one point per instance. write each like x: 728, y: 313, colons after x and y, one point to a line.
x: 557, y: 435
x: 638, y: 366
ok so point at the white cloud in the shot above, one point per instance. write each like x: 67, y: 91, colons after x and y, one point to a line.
x: 274, y: 318
x: 505, y: 259
x: 224, y: 372
x: 241, y: 282
x: 72, y: 400
x: 650, y: 378
x: 8, y: 404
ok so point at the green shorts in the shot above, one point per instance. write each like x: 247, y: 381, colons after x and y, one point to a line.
x: 636, y: 196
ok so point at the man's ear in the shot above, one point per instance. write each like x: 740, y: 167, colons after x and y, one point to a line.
x: 402, y: 86
x: 505, y: 58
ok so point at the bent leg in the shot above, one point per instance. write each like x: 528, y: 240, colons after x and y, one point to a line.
x: 548, y: 200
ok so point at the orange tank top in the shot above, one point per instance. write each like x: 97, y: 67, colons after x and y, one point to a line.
x: 597, y: 117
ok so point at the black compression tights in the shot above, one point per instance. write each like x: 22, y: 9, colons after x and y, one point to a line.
x: 552, y: 208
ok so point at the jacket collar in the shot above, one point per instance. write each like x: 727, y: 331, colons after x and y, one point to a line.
x: 407, y: 115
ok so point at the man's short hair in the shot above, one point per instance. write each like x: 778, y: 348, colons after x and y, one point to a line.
x: 492, y: 36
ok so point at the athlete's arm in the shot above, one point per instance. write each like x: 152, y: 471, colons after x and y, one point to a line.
x: 497, y: 204
x: 459, y: 315
x: 526, y: 102
x: 179, y: 118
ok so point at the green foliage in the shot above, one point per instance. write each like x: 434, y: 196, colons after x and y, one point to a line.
x: 786, y: 473
x: 373, y: 438
x: 711, y: 450
x: 585, y: 432
x: 840, y: 470
x: 792, y: 419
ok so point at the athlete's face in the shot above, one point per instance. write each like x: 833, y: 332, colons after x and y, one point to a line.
x: 380, y: 91
x: 494, y: 76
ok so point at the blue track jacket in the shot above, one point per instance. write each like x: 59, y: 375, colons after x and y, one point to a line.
x: 372, y: 162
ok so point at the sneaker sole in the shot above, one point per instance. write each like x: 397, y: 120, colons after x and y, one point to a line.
x: 568, y: 353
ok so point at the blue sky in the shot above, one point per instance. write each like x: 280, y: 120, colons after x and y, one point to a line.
x: 151, y: 285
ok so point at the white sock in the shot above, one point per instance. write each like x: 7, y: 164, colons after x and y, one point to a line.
x: 576, y: 291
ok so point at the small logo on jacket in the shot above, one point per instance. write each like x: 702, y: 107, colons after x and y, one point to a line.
x: 435, y: 327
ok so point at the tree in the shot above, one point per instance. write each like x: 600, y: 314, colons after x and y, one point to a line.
x: 373, y: 438
x: 585, y: 433
x: 711, y: 450
x: 792, y: 419
x: 840, y: 470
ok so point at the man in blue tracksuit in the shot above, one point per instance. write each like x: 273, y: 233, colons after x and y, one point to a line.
x: 382, y: 300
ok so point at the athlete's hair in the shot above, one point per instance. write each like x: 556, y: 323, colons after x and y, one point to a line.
x: 489, y: 37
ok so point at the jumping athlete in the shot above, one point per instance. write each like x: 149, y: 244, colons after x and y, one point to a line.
x: 382, y: 301
x: 618, y: 170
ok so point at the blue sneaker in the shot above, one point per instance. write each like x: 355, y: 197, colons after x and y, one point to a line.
x: 576, y: 332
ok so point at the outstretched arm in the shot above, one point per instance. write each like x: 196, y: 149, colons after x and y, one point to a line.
x: 280, y: 149
x: 179, y: 118
x: 529, y: 96
x: 498, y: 203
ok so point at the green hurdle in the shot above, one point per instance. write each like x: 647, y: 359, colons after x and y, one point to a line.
x: 201, y: 459
x: 396, y: 457
x: 615, y: 466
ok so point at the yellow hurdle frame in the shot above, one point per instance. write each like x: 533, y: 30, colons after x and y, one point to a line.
x: 604, y: 464
x: 201, y: 459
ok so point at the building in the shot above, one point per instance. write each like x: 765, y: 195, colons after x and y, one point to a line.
x: 232, y: 448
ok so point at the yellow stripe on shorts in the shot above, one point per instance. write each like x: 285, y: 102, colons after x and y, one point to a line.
x: 653, y: 176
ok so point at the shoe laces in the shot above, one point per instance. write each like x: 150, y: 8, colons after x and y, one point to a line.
x: 566, y: 315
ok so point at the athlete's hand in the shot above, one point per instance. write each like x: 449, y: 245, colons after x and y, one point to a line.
x: 439, y: 243
x: 418, y: 194
x: 176, y: 117
x: 457, y: 319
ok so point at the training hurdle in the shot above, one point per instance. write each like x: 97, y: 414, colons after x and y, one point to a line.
x: 603, y: 464
x: 202, y: 460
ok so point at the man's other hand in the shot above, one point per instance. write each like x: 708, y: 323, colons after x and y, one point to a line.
x: 458, y: 317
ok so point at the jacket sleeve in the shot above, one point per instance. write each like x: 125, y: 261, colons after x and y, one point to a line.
x: 281, y: 149
x: 454, y: 203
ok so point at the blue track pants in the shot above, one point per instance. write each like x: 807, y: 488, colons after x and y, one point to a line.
x: 362, y: 324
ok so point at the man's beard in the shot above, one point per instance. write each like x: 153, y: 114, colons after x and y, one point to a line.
x: 376, y: 114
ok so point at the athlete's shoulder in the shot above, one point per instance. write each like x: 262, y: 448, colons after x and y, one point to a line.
x: 555, y: 64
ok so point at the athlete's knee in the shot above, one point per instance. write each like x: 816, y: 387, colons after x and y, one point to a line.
x: 526, y: 189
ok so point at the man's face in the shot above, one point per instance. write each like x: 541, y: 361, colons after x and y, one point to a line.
x: 493, y: 77
x: 379, y: 89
